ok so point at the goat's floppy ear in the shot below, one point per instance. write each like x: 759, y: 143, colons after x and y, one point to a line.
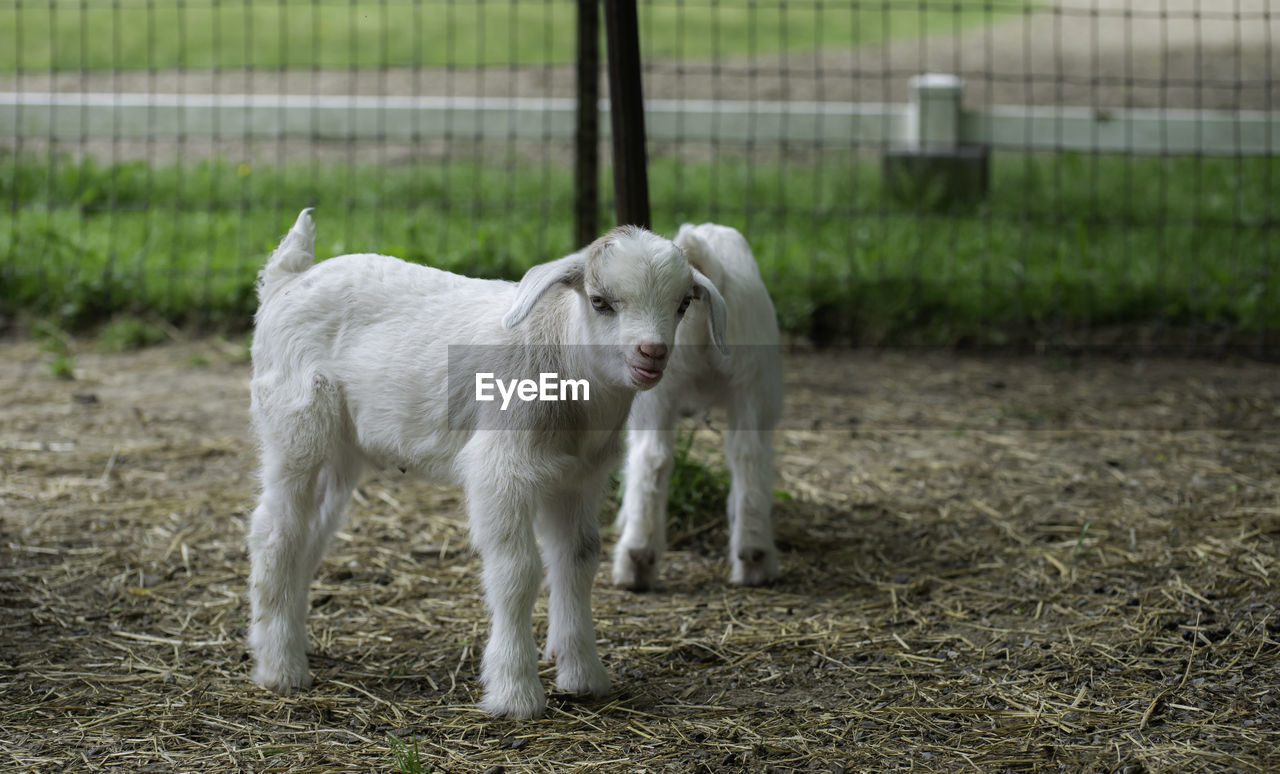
x: 538, y: 280
x: 704, y: 289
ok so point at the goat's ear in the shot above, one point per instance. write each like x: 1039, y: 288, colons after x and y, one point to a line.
x: 538, y: 280
x: 704, y: 289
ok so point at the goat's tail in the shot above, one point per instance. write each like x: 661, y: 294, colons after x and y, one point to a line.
x: 295, y: 255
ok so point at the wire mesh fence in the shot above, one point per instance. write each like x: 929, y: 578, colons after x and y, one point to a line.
x: 1097, y: 168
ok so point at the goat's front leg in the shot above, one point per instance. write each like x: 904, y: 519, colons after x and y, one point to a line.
x: 571, y: 551
x: 642, y: 518
x: 500, y: 516
x: 752, y: 554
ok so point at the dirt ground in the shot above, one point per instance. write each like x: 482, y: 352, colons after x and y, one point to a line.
x: 990, y: 564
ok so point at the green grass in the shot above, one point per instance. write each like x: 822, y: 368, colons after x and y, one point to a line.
x: 698, y: 492
x: 56, y: 344
x: 407, y: 758
x: 1062, y: 239
x: 69, y: 35
x: 126, y: 334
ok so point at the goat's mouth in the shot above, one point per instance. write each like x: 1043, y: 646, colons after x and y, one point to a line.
x: 644, y: 377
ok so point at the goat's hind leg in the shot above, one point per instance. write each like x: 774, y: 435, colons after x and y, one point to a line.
x: 280, y: 548
x: 306, y: 481
x: 336, y: 482
x: 289, y: 534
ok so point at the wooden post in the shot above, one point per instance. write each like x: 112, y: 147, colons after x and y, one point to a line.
x: 586, y: 159
x: 630, y: 177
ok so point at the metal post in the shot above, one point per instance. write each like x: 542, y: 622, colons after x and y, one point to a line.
x: 586, y: 159
x: 630, y: 178
x: 934, y: 169
x: 933, y: 122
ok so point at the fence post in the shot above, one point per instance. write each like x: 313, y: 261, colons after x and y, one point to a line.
x: 586, y: 157
x: 626, y: 101
x: 933, y: 119
x: 934, y: 168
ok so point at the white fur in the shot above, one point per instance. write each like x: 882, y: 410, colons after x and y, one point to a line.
x: 350, y: 368
x: 748, y: 384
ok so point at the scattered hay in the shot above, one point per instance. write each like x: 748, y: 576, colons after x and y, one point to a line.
x: 990, y: 564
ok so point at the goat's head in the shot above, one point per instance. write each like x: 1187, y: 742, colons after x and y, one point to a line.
x: 632, y: 289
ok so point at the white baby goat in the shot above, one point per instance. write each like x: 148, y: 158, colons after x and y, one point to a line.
x: 748, y: 384
x: 351, y: 366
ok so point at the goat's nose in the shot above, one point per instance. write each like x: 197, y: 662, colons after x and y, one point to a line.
x: 653, y: 350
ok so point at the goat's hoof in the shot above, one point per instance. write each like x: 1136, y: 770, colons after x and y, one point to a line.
x: 755, y: 566
x: 635, y: 568
x: 515, y: 701
x: 284, y: 681
x: 583, y: 679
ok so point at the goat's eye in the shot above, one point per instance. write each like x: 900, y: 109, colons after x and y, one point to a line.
x: 600, y: 305
x: 684, y: 305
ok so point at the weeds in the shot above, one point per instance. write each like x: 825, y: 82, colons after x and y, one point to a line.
x: 698, y: 493
x: 125, y: 334
x: 62, y: 367
x: 407, y: 759
x: 57, y: 344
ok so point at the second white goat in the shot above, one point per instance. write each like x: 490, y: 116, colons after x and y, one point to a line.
x: 748, y: 384
x: 367, y: 359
